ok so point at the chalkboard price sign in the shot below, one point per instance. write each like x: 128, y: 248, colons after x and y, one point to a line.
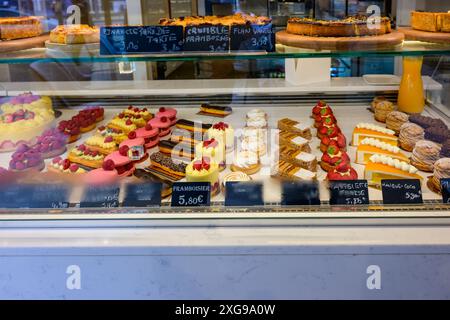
x: 399, y: 191
x: 43, y: 196
x: 349, y: 192
x: 302, y: 193
x: 100, y: 197
x: 445, y: 186
x: 140, y: 39
x: 243, y: 194
x: 142, y: 195
x: 252, y: 38
x: 207, y: 38
x: 191, y: 194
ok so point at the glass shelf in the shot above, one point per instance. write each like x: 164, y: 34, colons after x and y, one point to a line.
x: 408, y: 48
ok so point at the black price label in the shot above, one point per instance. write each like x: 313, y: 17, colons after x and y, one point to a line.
x: 349, y: 192
x: 140, y: 39
x: 445, y: 186
x: 252, y: 38
x: 301, y: 193
x: 100, y: 197
x: 401, y: 191
x: 243, y: 194
x: 143, y: 195
x: 191, y: 194
x: 207, y: 38
x: 43, y: 196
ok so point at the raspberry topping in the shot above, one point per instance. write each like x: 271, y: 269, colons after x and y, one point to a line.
x: 132, y: 135
x: 66, y: 164
x: 220, y: 126
x: 148, y: 127
x: 129, y: 122
x: 164, y: 119
x: 162, y: 109
x: 108, y: 165
x: 123, y: 150
x: 109, y: 139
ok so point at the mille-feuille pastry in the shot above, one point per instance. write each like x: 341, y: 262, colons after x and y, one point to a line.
x: 425, y: 154
x: 193, y: 126
x: 217, y: 111
x: 382, y: 109
x: 289, y: 171
x: 426, y: 122
x: 441, y: 171
x: 164, y: 163
x: 177, y: 150
x: 246, y: 161
x: 333, y: 157
x: 369, y: 130
x: 303, y: 129
x: 395, y: 119
x: 256, y: 118
x: 381, y: 167
x: 294, y: 141
x: 437, y: 134
x: 299, y: 158
x: 342, y: 172
x: 370, y: 146
x: 410, y: 133
x: 445, y: 150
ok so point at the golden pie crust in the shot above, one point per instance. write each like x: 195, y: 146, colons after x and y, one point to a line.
x: 75, y: 34
x: 430, y: 21
x: 20, y: 27
x: 237, y: 19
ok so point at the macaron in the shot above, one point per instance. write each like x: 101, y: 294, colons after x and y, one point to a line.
x: 123, y: 164
x: 163, y: 124
x: 136, y: 147
x: 106, y: 175
x: 169, y: 113
x: 150, y: 135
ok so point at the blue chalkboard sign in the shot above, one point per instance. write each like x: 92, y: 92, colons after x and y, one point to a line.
x: 243, y: 194
x: 100, y: 197
x: 191, y: 194
x: 445, y: 186
x: 300, y: 193
x: 140, y: 39
x: 252, y: 37
x: 44, y: 196
x: 207, y: 38
x: 401, y: 191
x: 143, y: 195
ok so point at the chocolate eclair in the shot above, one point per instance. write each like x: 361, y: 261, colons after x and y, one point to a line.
x: 176, y: 149
x: 193, y: 126
x: 215, y: 110
x: 161, y: 161
x: 185, y: 136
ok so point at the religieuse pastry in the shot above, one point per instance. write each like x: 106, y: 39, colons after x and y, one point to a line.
x: 370, y: 146
x: 75, y: 34
x: 289, y: 171
x: 86, y: 157
x: 410, y: 133
x: 425, y: 154
x: 212, y: 149
x: 169, y: 113
x: 430, y: 21
x: 123, y: 163
x: 299, y: 158
x: 60, y: 165
x: 247, y: 162
x: 441, y: 171
x: 395, y: 119
x: 368, y: 130
x: 105, y: 175
x: 381, y: 167
x: 217, y: 111
x: 342, y: 172
x: 382, y: 109
x: 149, y: 134
x: 224, y: 133
x: 165, y: 164
x: 26, y: 158
x: 20, y: 27
x: 193, y: 126
x: 352, y: 26
x: 204, y: 169
x: 333, y: 157
x: 301, y: 128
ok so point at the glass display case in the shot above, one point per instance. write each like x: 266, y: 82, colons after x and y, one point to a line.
x: 136, y: 119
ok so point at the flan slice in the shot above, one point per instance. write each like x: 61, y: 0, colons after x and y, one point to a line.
x: 370, y: 146
x: 381, y: 167
x: 369, y: 130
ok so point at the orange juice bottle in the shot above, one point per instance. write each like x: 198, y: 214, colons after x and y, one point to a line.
x: 410, y: 95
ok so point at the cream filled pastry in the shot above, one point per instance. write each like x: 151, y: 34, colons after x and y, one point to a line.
x: 425, y: 154
x: 246, y: 161
x: 410, y: 133
x: 441, y: 171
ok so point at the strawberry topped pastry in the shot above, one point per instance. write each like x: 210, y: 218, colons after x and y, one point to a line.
x: 333, y: 157
x: 25, y: 159
x: 123, y: 163
x: 204, y: 169
x: 105, y: 175
x: 223, y: 132
x: 96, y: 113
x: 85, y: 120
x: 328, y: 128
x: 169, y: 113
x: 163, y: 124
x: 321, y: 109
x: 343, y: 172
x: 326, y: 120
x: 51, y: 143
x: 123, y: 124
x: 71, y: 129
x: 336, y: 136
x: 135, y: 111
x: 213, y: 149
x: 136, y: 145
x: 117, y: 134
x: 59, y: 165
x: 86, y: 157
x: 149, y: 134
x: 103, y: 144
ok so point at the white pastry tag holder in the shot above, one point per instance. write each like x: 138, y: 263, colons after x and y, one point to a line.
x: 136, y: 153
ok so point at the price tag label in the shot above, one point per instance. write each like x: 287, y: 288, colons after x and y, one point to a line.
x: 143, y: 195
x: 191, y: 194
x: 401, y: 191
x: 42, y: 196
x: 252, y: 38
x: 304, y: 193
x: 207, y: 38
x: 243, y: 194
x: 100, y: 197
x: 349, y: 192
x: 445, y: 186
x: 140, y: 39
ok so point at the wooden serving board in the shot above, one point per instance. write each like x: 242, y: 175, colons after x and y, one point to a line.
x: 23, y: 44
x: 340, y: 43
x: 418, y: 35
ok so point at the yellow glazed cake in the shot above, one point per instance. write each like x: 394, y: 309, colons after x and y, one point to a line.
x: 369, y: 130
x: 224, y: 133
x: 213, y: 149
x: 204, y: 170
x: 370, y: 146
